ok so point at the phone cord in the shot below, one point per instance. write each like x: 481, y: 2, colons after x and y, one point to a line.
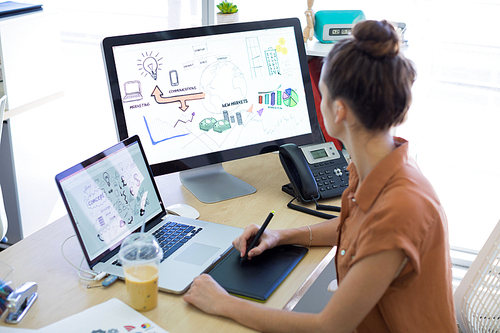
x: 309, y: 211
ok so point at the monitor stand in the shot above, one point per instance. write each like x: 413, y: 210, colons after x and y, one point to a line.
x: 213, y: 184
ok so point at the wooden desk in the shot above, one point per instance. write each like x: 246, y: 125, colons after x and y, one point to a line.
x: 61, y: 293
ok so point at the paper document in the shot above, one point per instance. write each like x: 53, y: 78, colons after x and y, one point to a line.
x: 112, y: 316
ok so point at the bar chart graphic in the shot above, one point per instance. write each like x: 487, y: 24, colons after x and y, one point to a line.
x: 287, y: 97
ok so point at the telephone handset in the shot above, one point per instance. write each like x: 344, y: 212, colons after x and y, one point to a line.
x: 315, y: 171
x: 298, y: 172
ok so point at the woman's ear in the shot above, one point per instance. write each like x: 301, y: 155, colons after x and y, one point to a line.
x: 340, y: 108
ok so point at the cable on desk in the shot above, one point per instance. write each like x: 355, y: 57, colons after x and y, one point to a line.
x: 96, y: 276
x: 310, y: 211
x: 326, y: 207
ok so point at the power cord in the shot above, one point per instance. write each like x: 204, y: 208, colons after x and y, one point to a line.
x: 315, y: 212
x: 95, y: 276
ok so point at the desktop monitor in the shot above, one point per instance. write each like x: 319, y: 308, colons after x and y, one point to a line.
x: 202, y: 96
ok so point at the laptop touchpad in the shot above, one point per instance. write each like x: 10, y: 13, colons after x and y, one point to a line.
x: 197, y: 254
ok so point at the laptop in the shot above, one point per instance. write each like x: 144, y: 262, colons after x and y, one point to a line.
x: 103, y: 197
x: 132, y: 91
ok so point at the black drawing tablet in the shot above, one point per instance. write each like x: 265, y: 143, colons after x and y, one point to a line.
x: 259, y: 277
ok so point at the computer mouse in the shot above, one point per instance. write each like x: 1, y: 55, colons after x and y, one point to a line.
x: 183, y: 210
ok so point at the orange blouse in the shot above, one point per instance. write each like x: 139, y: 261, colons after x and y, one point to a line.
x: 396, y: 208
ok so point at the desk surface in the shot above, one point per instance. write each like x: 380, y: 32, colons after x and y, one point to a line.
x: 61, y: 293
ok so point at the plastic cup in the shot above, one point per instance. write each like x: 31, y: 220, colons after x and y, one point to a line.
x: 140, y: 257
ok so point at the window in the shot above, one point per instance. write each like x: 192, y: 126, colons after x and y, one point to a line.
x: 453, y: 121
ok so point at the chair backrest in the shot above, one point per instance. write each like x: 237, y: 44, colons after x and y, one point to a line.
x: 3, y: 216
x: 477, y: 298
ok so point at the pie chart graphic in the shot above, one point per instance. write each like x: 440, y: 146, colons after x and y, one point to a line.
x: 290, y: 97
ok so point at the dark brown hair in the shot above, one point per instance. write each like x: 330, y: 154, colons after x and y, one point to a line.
x: 370, y: 75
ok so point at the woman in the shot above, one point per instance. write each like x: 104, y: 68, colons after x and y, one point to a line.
x: 392, y: 261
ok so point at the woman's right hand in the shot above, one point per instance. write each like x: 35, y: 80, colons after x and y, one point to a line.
x: 268, y: 240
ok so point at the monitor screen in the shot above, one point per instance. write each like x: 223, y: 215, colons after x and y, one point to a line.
x: 207, y: 95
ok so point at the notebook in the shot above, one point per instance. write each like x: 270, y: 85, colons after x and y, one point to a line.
x: 103, y: 198
x: 112, y: 316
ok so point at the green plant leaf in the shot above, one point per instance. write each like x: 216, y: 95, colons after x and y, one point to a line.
x: 227, y: 7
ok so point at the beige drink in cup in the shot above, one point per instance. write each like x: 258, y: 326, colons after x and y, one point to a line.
x: 140, y: 257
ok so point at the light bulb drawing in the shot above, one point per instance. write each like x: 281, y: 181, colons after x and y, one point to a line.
x: 105, y: 175
x: 150, y: 65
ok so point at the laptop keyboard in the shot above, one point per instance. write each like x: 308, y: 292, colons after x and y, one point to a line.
x: 171, y: 236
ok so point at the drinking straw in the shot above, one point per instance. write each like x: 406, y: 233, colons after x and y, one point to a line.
x: 143, y: 213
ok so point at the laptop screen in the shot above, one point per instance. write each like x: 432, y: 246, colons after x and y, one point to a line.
x: 103, y: 197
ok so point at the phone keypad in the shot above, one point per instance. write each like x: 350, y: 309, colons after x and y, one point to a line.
x: 331, y: 178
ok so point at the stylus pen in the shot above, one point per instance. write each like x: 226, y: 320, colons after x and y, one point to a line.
x: 257, y: 236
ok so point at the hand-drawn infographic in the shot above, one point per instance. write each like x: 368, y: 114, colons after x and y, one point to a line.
x: 213, y: 93
x: 107, y: 198
x: 111, y: 200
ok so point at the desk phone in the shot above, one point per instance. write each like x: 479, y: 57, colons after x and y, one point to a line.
x: 315, y: 171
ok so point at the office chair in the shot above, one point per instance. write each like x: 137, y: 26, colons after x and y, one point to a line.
x: 3, y: 215
x: 477, y: 298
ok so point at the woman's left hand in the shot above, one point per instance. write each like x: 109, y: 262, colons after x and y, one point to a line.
x: 206, y: 294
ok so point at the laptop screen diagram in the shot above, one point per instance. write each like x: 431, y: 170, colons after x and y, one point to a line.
x: 105, y: 199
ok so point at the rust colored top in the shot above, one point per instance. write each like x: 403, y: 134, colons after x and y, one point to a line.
x: 395, y: 207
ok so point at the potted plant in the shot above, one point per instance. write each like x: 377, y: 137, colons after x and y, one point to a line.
x: 228, y: 12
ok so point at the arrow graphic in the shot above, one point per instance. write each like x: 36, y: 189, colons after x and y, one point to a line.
x: 158, y: 95
x: 185, y: 121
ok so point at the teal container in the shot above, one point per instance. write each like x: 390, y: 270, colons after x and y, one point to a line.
x: 333, y: 25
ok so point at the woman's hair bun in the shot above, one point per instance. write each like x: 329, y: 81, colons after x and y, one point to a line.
x: 376, y: 38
